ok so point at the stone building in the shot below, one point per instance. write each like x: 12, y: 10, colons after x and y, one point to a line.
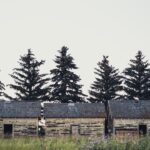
x: 75, y: 119
x: 130, y: 118
x: 19, y: 118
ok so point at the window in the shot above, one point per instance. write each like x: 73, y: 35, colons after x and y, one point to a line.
x: 8, y: 130
x: 75, y: 129
x: 142, y: 129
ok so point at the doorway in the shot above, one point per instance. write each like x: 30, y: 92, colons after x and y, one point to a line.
x: 41, y: 131
x: 8, y: 130
x: 75, y: 129
x: 142, y: 129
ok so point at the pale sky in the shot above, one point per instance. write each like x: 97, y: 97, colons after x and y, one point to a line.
x: 89, y: 28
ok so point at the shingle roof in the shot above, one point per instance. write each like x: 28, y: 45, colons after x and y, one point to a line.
x: 74, y: 110
x: 1, y: 108
x: 130, y: 109
x: 20, y: 109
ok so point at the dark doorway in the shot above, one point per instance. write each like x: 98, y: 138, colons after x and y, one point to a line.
x: 8, y: 130
x: 41, y: 131
x: 142, y: 129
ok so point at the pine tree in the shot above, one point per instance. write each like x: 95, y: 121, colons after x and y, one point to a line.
x: 137, y: 78
x: 65, y: 87
x: 105, y: 88
x: 30, y: 85
x: 2, y: 88
x: 107, y: 83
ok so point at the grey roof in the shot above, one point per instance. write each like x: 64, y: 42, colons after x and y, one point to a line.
x: 74, y: 110
x: 130, y: 109
x: 1, y: 108
x: 20, y: 109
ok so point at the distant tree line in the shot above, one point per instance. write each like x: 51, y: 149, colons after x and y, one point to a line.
x: 62, y: 84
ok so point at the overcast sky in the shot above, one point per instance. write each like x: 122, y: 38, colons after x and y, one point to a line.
x: 89, y: 28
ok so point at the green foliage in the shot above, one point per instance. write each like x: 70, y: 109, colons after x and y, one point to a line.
x: 73, y: 143
x: 29, y: 83
x: 60, y: 143
x: 111, y: 144
x: 137, y: 78
x: 65, y: 87
x: 107, y: 83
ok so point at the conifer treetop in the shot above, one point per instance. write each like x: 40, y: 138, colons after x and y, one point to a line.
x: 65, y: 87
x: 29, y: 85
x: 107, y: 82
x: 137, y: 78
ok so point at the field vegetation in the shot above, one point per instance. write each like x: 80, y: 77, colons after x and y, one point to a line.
x: 73, y: 143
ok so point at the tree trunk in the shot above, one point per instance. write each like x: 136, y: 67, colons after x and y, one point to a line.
x: 108, y: 120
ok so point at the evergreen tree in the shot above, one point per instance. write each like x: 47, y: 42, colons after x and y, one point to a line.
x: 2, y: 88
x: 30, y: 85
x: 105, y: 88
x: 107, y: 83
x: 65, y: 87
x: 137, y: 78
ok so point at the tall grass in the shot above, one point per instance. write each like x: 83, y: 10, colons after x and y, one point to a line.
x: 61, y: 143
x: 73, y: 143
x: 112, y: 144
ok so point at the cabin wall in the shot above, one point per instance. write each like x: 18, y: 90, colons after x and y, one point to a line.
x: 21, y: 127
x: 125, y: 128
x: 1, y: 127
x: 75, y: 126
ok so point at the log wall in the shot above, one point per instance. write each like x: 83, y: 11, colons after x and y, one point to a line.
x: 129, y: 128
x: 21, y: 127
x: 1, y: 127
x: 75, y: 126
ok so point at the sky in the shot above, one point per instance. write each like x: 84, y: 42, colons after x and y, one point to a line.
x: 89, y: 28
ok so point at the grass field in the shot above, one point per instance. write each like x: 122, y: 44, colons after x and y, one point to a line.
x: 74, y: 143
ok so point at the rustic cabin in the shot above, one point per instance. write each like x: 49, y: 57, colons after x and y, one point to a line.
x: 19, y: 118
x: 75, y: 119
x: 131, y: 118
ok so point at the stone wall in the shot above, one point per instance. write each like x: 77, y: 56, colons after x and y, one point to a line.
x: 75, y: 126
x: 125, y: 128
x: 21, y: 127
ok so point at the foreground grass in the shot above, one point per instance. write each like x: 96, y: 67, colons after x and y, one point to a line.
x: 60, y: 143
x: 73, y: 143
